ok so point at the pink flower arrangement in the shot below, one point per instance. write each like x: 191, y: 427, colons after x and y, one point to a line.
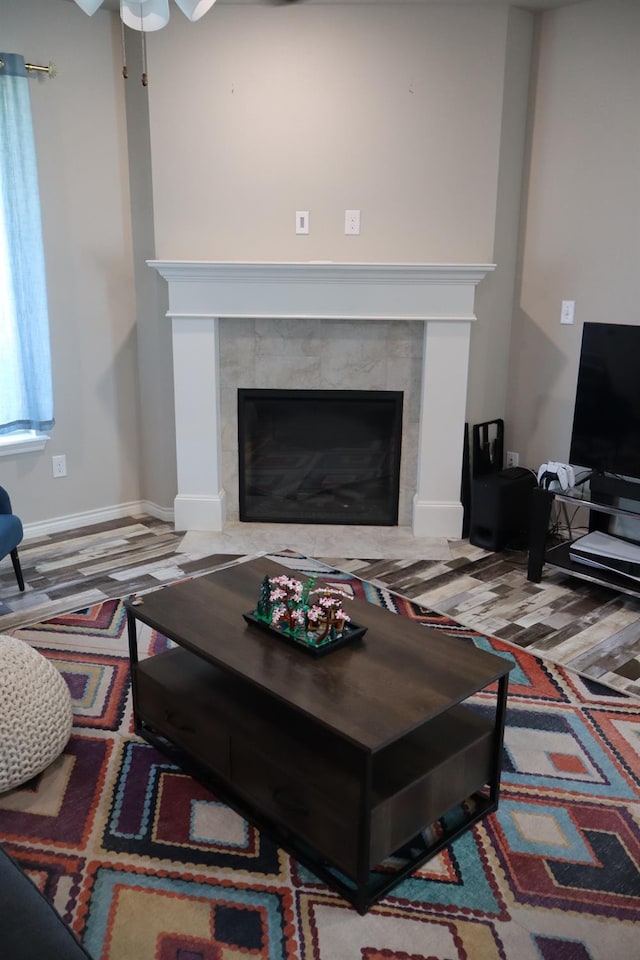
x: 294, y: 608
x: 286, y: 594
x: 327, y: 611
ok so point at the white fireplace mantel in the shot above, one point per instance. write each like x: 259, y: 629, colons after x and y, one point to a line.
x: 439, y: 295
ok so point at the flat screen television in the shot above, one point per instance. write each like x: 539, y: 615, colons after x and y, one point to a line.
x: 606, y: 421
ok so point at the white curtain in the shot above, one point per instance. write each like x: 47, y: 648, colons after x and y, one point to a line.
x: 26, y: 397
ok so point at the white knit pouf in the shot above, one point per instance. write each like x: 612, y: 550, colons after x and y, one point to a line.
x: 35, y: 712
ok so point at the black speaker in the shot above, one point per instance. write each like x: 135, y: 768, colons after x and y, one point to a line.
x: 501, y: 509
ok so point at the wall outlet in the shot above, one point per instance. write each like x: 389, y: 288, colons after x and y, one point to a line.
x: 513, y: 458
x: 59, y: 465
x: 568, y: 311
x: 352, y: 222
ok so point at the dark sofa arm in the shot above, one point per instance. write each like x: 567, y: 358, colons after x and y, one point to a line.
x: 29, y: 926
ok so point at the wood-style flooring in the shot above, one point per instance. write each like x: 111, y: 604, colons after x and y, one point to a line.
x: 590, y: 629
x: 583, y: 626
x: 72, y: 570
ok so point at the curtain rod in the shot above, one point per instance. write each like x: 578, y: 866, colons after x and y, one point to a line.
x: 38, y: 67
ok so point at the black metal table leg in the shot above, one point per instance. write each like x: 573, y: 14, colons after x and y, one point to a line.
x: 541, y: 503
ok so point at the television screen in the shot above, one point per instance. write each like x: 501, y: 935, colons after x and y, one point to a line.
x: 606, y: 421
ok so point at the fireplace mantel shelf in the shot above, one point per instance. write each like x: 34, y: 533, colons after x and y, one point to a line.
x: 440, y: 295
x: 339, y: 291
x: 309, y: 269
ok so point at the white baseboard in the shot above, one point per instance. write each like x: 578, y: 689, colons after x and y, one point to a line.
x: 437, y: 519
x: 58, y: 524
x: 200, y: 512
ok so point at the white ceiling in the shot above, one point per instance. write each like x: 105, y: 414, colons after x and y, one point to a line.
x: 525, y: 4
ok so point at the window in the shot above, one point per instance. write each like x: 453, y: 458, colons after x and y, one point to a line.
x: 26, y: 396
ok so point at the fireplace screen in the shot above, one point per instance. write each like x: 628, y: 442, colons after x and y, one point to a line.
x: 319, y: 456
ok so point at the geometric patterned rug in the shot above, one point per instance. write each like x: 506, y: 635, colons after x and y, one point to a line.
x: 144, y: 863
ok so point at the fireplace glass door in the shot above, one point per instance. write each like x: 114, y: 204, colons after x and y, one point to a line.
x: 319, y: 456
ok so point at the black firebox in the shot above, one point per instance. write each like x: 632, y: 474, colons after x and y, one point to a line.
x: 319, y: 456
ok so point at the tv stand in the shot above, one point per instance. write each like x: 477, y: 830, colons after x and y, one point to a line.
x: 602, y: 500
x: 606, y: 490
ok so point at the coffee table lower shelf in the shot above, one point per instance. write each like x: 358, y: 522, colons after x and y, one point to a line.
x: 341, y: 810
x: 381, y: 881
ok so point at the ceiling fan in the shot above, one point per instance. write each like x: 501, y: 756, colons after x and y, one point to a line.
x: 145, y: 16
x: 149, y: 15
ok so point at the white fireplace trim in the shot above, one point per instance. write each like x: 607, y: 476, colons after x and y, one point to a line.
x: 439, y: 295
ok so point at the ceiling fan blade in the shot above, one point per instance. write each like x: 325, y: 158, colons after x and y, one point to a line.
x: 144, y: 15
x: 89, y: 6
x: 194, y: 9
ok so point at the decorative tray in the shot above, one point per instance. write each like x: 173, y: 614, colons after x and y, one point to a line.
x: 350, y: 632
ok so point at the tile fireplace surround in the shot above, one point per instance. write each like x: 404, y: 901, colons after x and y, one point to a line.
x: 209, y: 301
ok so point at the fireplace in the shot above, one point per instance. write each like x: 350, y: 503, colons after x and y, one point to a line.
x: 435, y: 299
x: 319, y: 456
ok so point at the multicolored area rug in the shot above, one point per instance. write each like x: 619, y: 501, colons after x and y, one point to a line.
x: 145, y: 864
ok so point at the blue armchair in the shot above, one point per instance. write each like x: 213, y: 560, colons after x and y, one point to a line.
x: 10, y: 535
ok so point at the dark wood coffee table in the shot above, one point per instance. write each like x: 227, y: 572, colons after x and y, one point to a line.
x: 344, y: 759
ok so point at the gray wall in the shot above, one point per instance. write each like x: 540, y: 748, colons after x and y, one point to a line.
x: 491, y: 336
x: 82, y: 159
x: 261, y: 110
x: 155, y: 368
x: 582, y: 227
